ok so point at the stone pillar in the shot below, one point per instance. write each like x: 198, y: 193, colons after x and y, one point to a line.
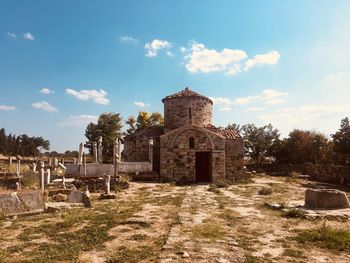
x: 94, y: 152
x: 42, y: 176
x: 116, y: 156
x: 55, y: 163
x: 107, y: 184
x: 10, y: 160
x: 100, y: 158
x: 34, y: 167
x: 119, y: 150
x: 74, y: 160
x: 18, y: 166
x: 84, y: 163
x: 50, y: 161
x: 150, y: 151
x: 80, y: 156
x: 48, y: 176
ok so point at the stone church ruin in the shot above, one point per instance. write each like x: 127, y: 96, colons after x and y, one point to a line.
x: 189, y: 148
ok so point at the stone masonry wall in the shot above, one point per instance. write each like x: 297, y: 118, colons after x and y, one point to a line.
x: 176, y: 112
x: 234, y: 151
x: 136, y: 146
x: 178, y: 160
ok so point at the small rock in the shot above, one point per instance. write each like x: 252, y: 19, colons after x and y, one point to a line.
x: 185, y: 254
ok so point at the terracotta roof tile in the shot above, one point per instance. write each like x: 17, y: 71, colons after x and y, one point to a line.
x: 187, y: 92
x: 227, y: 133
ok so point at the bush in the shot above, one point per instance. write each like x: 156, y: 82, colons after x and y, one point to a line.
x: 326, y: 237
x: 213, y: 188
x: 295, y: 213
x: 265, y: 191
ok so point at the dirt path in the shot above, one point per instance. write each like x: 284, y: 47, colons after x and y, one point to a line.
x: 191, y: 241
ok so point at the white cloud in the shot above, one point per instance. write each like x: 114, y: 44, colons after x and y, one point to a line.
x: 268, y: 96
x: 225, y: 109
x: 97, y: 96
x: 128, y: 40
x: 12, y: 35
x: 230, y: 61
x: 201, y: 59
x: 221, y: 100
x: 7, y: 108
x: 154, y: 46
x: 79, y: 121
x: 245, y: 100
x: 46, y: 91
x: 256, y: 109
x: 335, y: 76
x: 43, y: 105
x: 141, y: 104
x: 270, y: 58
x: 170, y: 54
x: 28, y: 36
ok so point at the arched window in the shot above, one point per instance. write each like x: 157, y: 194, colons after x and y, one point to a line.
x: 191, y: 142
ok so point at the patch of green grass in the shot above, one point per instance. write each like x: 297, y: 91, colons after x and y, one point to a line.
x: 294, y: 213
x: 327, y: 237
x: 213, y: 188
x: 229, y: 216
x: 138, y: 237
x: 294, y: 253
x: 265, y: 191
x: 210, y: 230
x: 65, y: 242
x: 135, y: 255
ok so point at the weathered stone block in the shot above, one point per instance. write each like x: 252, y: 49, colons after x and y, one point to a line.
x: 326, y: 199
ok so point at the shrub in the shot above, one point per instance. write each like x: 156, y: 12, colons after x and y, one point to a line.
x: 327, y: 237
x: 213, y: 188
x: 265, y: 191
x: 295, y: 213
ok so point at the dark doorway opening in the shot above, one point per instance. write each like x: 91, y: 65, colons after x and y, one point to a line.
x: 203, y: 167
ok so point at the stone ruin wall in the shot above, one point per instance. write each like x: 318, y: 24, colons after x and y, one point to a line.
x: 234, y: 153
x: 136, y: 146
x: 178, y: 161
x: 176, y: 112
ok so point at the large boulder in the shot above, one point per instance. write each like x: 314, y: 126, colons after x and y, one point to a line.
x: 326, y: 199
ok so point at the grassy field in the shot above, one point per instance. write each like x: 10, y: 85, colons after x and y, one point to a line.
x: 199, y: 220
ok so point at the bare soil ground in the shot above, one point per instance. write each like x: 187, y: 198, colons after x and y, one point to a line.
x: 152, y: 222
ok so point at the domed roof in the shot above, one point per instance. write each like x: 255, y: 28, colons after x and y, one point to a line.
x: 187, y: 92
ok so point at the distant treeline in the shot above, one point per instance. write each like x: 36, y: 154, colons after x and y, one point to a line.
x: 23, y: 145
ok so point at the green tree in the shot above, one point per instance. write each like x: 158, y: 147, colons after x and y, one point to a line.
x: 109, y: 127
x: 156, y: 119
x: 341, y: 141
x: 259, y: 141
x: 143, y: 120
x: 131, y: 122
x: 234, y: 126
x: 304, y: 146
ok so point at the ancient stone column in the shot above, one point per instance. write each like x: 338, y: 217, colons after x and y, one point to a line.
x: 48, y: 176
x: 116, y: 156
x: 84, y: 163
x: 74, y: 160
x: 10, y: 160
x: 18, y: 167
x: 55, y: 163
x: 119, y: 150
x: 42, y: 176
x: 107, y: 184
x: 50, y: 161
x: 34, y: 167
x: 94, y: 152
x: 150, y: 152
x: 80, y: 156
x: 100, y: 150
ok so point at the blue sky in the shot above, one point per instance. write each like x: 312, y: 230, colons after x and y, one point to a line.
x: 62, y: 63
